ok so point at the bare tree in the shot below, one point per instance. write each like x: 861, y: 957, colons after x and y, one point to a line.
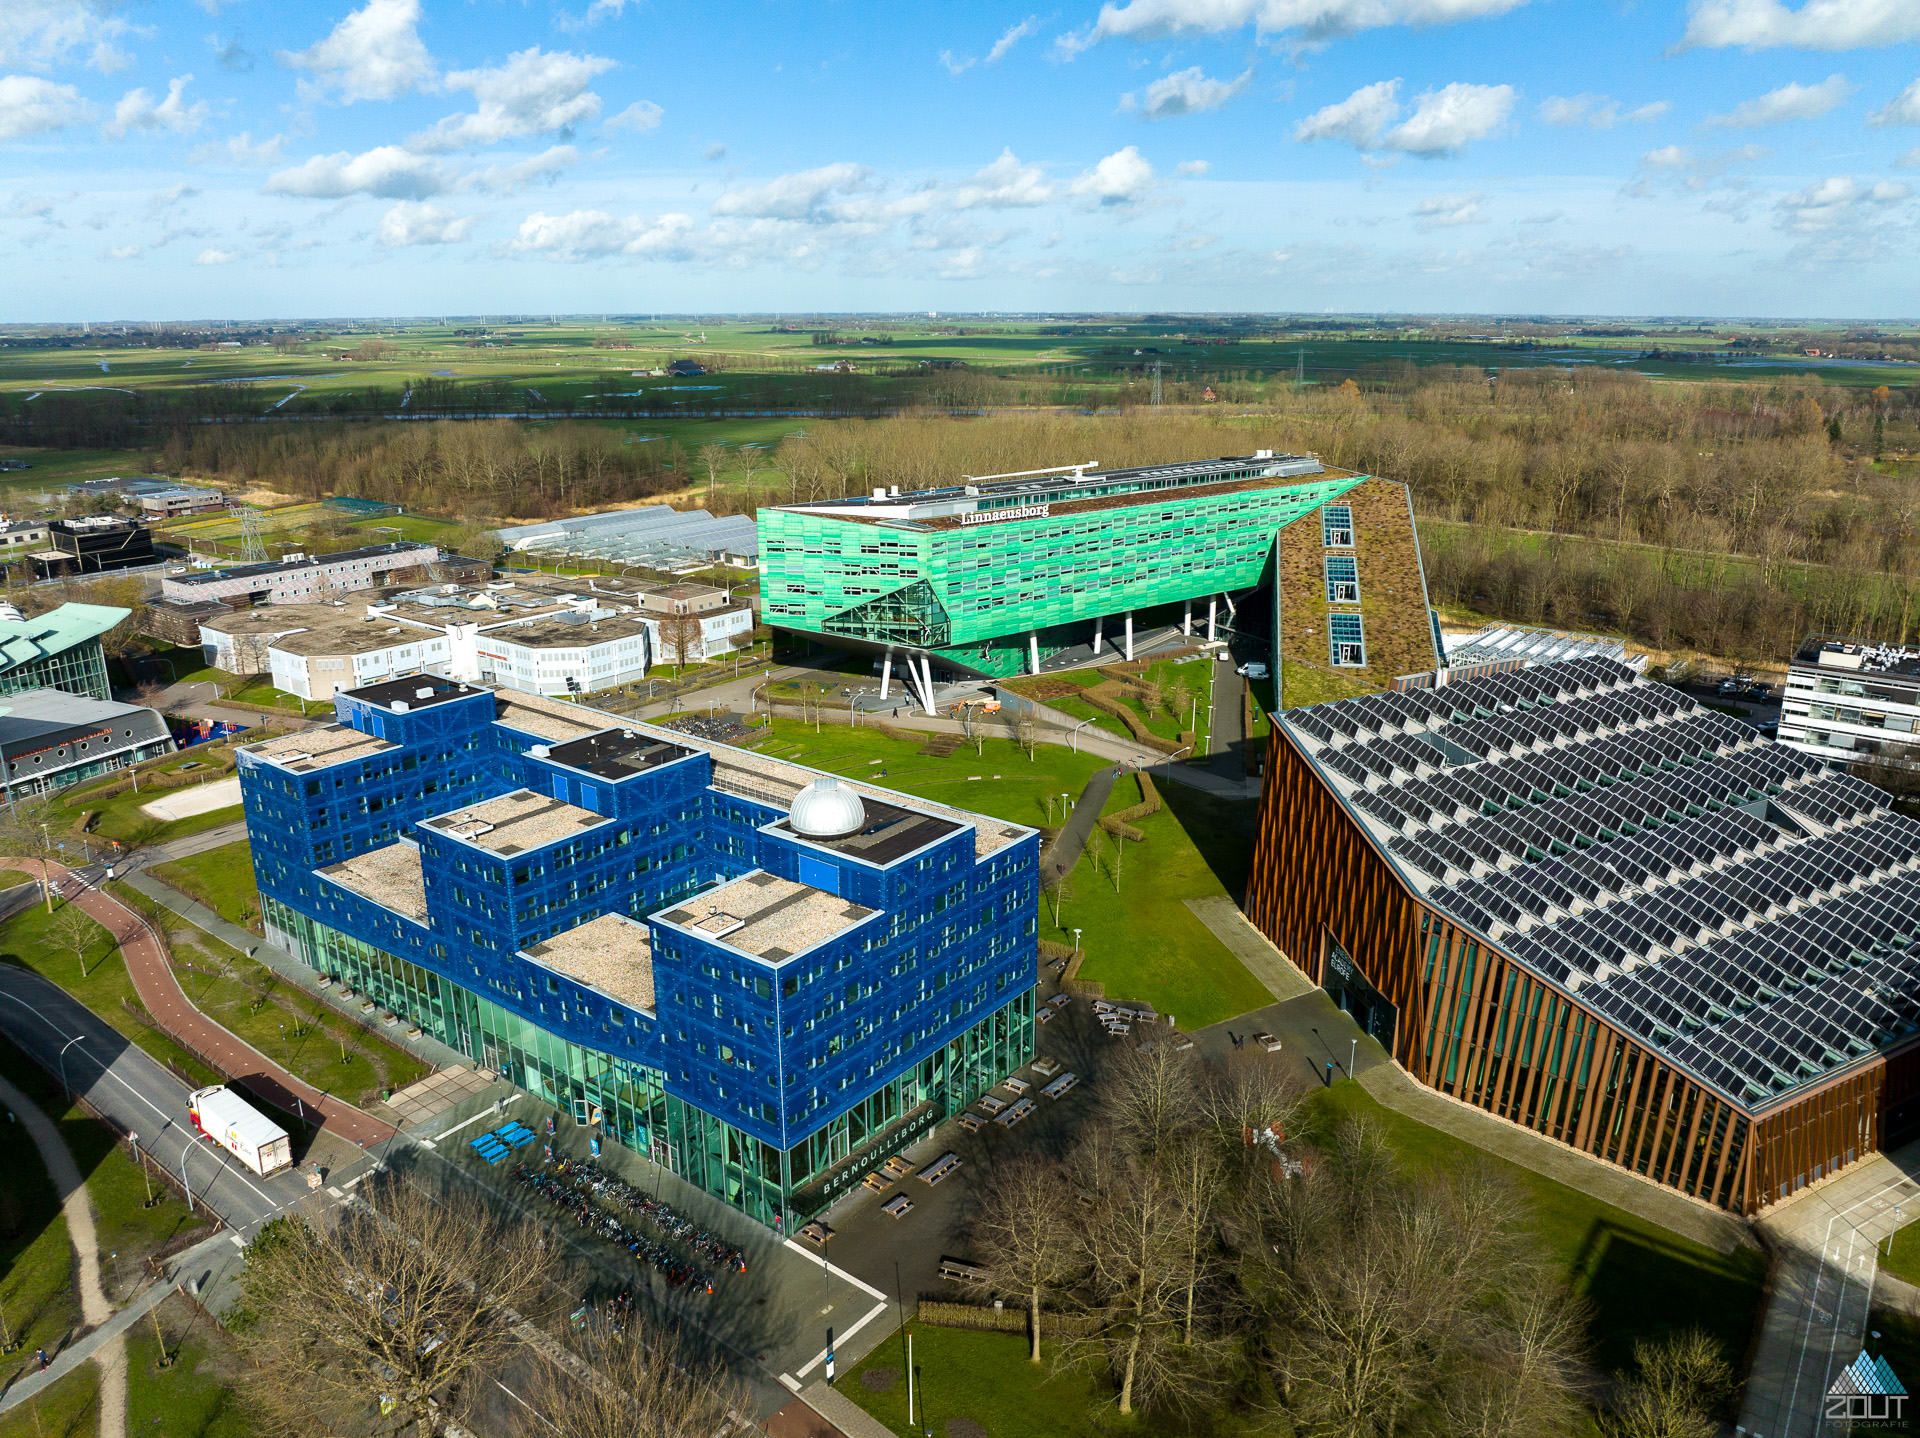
x: 1022, y: 1233
x: 1151, y: 1095
x: 1681, y: 1382
x: 642, y: 1384
x: 1026, y: 732
x: 680, y: 637
x: 711, y: 457
x: 389, y: 1307
x: 76, y: 931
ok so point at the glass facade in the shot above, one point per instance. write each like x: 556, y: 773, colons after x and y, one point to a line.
x: 629, y: 1101
x: 79, y: 670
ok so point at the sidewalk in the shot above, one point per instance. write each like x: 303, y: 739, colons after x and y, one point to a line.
x: 153, y: 980
x: 1073, y: 835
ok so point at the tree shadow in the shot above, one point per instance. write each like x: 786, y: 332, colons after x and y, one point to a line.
x: 1222, y: 830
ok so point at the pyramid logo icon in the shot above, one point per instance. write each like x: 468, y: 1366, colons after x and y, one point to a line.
x: 1867, y: 1388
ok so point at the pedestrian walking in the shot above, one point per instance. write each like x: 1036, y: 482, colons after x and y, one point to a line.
x: 45, y: 1362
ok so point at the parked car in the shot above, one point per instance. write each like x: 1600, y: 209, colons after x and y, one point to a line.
x: 1253, y: 670
x: 1731, y: 686
x: 1770, y: 726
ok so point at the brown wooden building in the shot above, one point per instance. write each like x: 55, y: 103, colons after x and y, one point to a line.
x: 1580, y: 902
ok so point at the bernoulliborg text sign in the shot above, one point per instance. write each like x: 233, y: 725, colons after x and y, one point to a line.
x: 994, y: 516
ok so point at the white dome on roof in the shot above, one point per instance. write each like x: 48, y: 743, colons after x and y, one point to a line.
x: 826, y: 809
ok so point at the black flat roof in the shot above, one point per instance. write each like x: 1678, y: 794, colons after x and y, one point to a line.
x: 889, y: 832
x: 617, y: 753
x: 416, y: 691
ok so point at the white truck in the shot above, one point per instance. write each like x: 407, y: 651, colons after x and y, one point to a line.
x: 241, y: 1129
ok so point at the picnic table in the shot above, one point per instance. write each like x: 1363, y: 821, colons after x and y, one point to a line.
x: 972, y: 1122
x: 1013, y: 1115
x: 898, y: 1167
x: 1060, y: 1086
x: 878, y: 1182
x: 1018, y: 1085
x: 899, y: 1206
x: 992, y: 1104
x: 1043, y: 1015
x: 940, y: 1169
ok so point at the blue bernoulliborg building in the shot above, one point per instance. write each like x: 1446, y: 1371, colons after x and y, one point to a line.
x: 766, y: 979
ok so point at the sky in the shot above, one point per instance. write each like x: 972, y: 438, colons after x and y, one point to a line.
x: 257, y: 159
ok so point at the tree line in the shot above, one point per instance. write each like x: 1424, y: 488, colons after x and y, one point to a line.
x: 1196, y: 1256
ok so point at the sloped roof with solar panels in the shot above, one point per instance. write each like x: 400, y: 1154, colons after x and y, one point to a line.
x: 1727, y: 902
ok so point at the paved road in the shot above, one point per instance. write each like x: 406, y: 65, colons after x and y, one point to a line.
x: 136, y: 1094
x: 1086, y: 813
x: 154, y: 981
x: 1825, y: 1240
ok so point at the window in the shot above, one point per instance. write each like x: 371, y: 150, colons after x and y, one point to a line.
x: 1336, y: 525
x: 1348, y: 644
x: 1343, y: 579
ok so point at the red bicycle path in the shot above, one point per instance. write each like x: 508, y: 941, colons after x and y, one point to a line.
x: 160, y: 992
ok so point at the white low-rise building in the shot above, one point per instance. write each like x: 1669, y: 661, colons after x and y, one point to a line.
x: 1848, y: 701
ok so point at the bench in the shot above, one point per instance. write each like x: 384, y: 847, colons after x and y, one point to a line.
x: 1013, y: 1115
x: 898, y: 1167
x: 1059, y: 1001
x: 899, y: 1206
x: 1043, y: 1015
x: 940, y: 1169
x: 1060, y: 1086
x: 878, y: 1182
x: 992, y: 1104
x: 972, y: 1122
x: 1018, y: 1085
x: 956, y: 1270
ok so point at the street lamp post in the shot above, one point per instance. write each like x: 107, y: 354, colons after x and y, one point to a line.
x: 1074, y: 737
x: 65, y: 1087
x: 1166, y: 769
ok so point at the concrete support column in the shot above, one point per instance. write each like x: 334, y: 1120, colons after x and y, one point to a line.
x: 1129, y: 636
x: 1097, y: 622
x: 886, y: 674
x: 926, y: 678
x: 1186, y: 617
x: 1033, y: 652
x: 1213, y: 608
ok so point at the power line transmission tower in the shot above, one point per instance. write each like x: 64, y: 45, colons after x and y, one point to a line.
x: 253, y: 549
x: 1156, y: 384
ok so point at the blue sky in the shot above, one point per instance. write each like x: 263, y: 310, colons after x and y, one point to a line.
x: 258, y: 158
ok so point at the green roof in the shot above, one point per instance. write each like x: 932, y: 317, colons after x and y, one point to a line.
x: 22, y: 641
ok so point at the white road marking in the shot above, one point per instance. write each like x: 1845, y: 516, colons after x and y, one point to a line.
x: 821, y: 1356
x: 839, y: 1273
x: 449, y: 1133
x: 790, y: 1381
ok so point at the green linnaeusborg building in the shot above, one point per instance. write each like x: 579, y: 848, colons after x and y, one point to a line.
x: 998, y: 574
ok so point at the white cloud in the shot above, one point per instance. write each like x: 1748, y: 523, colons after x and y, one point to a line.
x: 1789, y: 102
x: 1443, y: 121
x: 241, y: 150
x: 216, y: 257
x: 596, y: 12
x: 1192, y: 168
x: 1902, y: 109
x: 639, y: 117
x: 124, y: 252
x: 386, y: 172
x: 1446, y: 120
x: 1712, y: 174
x: 595, y: 234
x: 534, y: 93
x: 512, y: 178
x: 1359, y: 119
x: 43, y: 33
x: 414, y: 223
x: 1121, y: 178
x: 1004, y: 184
x: 806, y: 195
x: 1315, y: 20
x: 1188, y: 92
x: 1013, y: 36
x: 374, y: 54
x: 1597, y: 112
x: 1910, y: 159
x: 1837, y: 202
x: 1439, y: 212
x: 163, y: 200
x: 1816, y: 25
x: 138, y: 111
x: 957, y: 66
x: 32, y: 106
x: 714, y: 152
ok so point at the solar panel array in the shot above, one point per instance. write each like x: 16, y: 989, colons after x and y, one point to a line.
x: 1723, y: 900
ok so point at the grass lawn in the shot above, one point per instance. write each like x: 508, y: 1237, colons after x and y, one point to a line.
x: 1643, y: 1280
x: 1194, y: 671
x: 284, y: 1023
x: 197, y: 1396
x: 221, y: 878
x: 989, y: 776
x: 69, y: 1409
x: 1302, y: 684
x: 1141, y: 941
x: 120, y: 816
x: 29, y: 941
x: 986, y: 1377
x: 417, y: 527
x: 1898, y: 1343
x: 1904, y: 1261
